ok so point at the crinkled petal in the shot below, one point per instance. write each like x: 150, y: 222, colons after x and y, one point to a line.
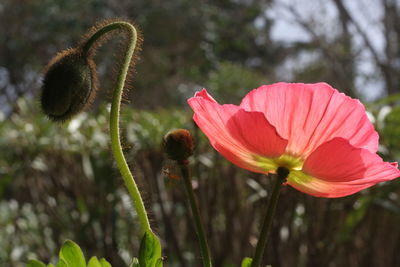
x: 309, y: 115
x: 337, y: 169
x: 240, y: 136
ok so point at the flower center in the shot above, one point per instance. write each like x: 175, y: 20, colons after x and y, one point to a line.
x: 290, y: 162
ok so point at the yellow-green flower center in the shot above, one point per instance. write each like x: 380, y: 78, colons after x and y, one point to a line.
x: 290, y: 162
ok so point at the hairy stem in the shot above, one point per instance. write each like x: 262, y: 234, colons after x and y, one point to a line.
x: 205, y: 252
x: 282, y: 174
x: 115, y: 112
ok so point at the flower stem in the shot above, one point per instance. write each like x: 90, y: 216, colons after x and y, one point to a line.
x: 205, y: 252
x: 115, y: 112
x: 282, y: 174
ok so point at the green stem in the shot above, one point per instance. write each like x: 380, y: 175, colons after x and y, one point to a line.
x: 205, y: 252
x: 116, y: 25
x: 282, y: 174
x: 114, y: 115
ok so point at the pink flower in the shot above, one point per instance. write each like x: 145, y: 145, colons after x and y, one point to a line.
x: 321, y: 136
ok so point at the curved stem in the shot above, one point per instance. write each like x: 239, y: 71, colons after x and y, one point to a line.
x: 205, y: 252
x: 114, y: 115
x: 282, y: 174
x: 116, y: 25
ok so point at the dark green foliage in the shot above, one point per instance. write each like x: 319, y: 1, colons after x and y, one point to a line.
x: 229, y: 82
x: 392, y: 129
x: 92, y: 201
x: 78, y: 195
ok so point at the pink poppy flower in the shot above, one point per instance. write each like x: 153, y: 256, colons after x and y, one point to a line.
x: 320, y: 135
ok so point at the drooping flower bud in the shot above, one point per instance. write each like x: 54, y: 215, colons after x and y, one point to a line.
x: 69, y: 85
x: 178, y: 144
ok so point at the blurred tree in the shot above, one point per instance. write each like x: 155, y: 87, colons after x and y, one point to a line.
x: 183, y: 41
x: 230, y: 82
x: 341, y: 45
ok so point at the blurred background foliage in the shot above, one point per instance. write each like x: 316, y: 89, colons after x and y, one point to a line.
x: 59, y: 182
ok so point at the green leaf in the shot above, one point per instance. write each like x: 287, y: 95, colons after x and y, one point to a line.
x: 104, y: 263
x: 35, y: 263
x: 149, y: 251
x: 62, y: 263
x: 50, y: 265
x: 246, y: 262
x: 134, y: 263
x: 94, y: 262
x: 72, y: 254
x: 391, y: 129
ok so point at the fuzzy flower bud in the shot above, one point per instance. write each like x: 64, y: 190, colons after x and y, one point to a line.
x: 178, y: 144
x: 69, y: 85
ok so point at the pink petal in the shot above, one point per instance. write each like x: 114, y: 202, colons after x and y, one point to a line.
x: 321, y: 188
x: 309, y: 115
x: 339, y: 161
x: 337, y: 168
x: 237, y: 134
x: 205, y: 95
